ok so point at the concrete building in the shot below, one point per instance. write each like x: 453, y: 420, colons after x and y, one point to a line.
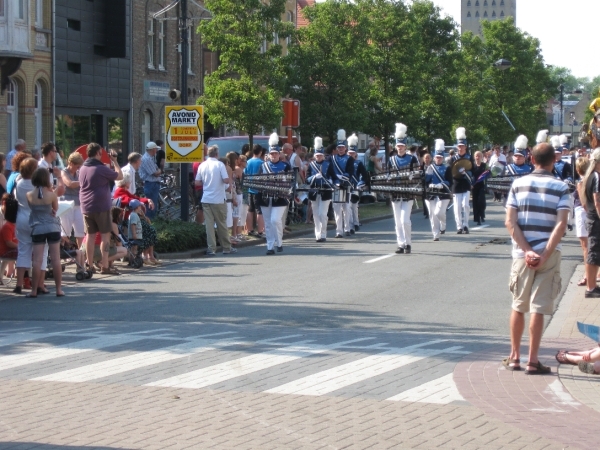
x: 26, y: 72
x: 474, y: 11
x: 92, y: 72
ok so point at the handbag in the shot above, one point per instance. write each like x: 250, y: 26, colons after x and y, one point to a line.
x: 11, y: 207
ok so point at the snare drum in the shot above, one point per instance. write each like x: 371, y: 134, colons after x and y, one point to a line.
x: 340, y: 195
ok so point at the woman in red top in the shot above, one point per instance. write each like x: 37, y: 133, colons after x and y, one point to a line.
x: 122, y: 193
x: 8, y: 244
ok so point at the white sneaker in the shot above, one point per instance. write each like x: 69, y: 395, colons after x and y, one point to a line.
x: 233, y: 250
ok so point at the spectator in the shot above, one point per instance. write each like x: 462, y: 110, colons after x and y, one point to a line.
x: 478, y: 192
x: 149, y: 238
x: 587, y: 361
x: 94, y: 195
x: 212, y: 174
x: 45, y: 229
x: 236, y: 194
x: 536, y: 217
x: 8, y: 243
x: 11, y: 183
x: 25, y: 248
x: 591, y: 200
x: 125, y: 196
x: 2, y: 177
x: 47, y: 162
x: 150, y: 175
x: 160, y: 154
x: 134, y: 228
x: 253, y: 168
x: 20, y: 146
x: 581, y: 165
x: 198, y: 194
x: 229, y: 199
x: 134, y: 160
x: 36, y: 154
x: 242, y: 199
x: 72, y: 220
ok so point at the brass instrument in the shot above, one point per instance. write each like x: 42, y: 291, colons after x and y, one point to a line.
x: 271, y: 185
x: 461, y: 164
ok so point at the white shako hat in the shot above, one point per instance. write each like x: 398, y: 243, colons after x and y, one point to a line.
x: 274, y: 143
x: 521, y: 145
x: 440, y: 146
x: 353, y: 143
x: 341, y: 138
x: 401, y: 134
x: 555, y: 143
x: 564, y: 141
x: 542, y: 136
x: 461, y: 136
x: 318, y: 145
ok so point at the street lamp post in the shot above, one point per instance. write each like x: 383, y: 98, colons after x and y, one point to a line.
x: 562, y: 97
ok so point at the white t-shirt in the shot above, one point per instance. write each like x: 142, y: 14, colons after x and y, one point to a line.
x: 129, y: 170
x: 212, y: 172
x: 43, y: 163
x: 498, y: 159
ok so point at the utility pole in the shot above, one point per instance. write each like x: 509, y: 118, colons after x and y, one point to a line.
x: 184, y: 182
x: 562, y: 91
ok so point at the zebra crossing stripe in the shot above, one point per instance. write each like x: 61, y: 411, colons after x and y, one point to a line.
x: 248, y: 364
x: 16, y: 338
x: 353, y: 372
x: 136, y: 361
x: 440, y: 391
x: 59, y: 351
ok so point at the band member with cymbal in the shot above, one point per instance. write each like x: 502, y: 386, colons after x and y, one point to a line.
x: 321, y: 190
x: 273, y: 207
x: 341, y: 170
x: 462, y: 165
x: 358, y: 181
x: 438, y: 176
x: 401, y: 202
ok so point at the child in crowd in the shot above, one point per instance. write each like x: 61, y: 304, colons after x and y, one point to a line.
x: 134, y: 229
x: 8, y: 243
x: 149, y: 238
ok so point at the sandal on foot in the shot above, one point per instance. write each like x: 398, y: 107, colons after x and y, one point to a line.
x: 109, y: 271
x: 42, y: 291
x: 506, y: 362
x: 562, y: 358
x: 540, y: 369
x: 30, y: 296
x: 587, y: 367
x: 582, y: 282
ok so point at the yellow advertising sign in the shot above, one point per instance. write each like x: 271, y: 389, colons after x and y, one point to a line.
x: 185, y: 132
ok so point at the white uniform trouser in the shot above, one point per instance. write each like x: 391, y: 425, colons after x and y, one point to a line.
x: 354, y: 215
x: 273, y: 216
x: 341, y: 211
x: 461, y: 210
x: 320, y: 208
x: 437, y: 215
x: 402, y: 210
x: 571, y: 207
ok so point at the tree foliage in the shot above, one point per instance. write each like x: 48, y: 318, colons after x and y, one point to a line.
x: 244, y: 92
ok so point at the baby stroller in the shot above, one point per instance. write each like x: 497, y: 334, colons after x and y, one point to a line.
x: 135, y: 260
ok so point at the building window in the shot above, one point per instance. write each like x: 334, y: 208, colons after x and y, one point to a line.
x: 74, y: 67
x: 290, y: 18
x: 485, y: 14
x: 150, y: 43
x: 493, y: 13
x: 469, y: 3
x: 189, y: 50
x: 39, y: 13
x: 1, y: 8
x: 37, y: 103
x: 146, y: 127
x: 501, y: 2
x: 469, y: 14
x: 476, y: 13
x: 501, y: 13
x: 12, y: 125
x: 493, y: 2
x: 485, y: 3
x: 477, y: 3
x: 161, y: 45
x: 21, y: 9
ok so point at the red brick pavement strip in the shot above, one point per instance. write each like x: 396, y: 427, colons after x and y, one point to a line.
x: 152, y: 418
x: 538, y: 404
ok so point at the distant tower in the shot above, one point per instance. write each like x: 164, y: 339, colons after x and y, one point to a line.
x: 472, y: 12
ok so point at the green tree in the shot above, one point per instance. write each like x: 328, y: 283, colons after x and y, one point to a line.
x: 519, y: 92
x: 326, y: 70
x: 244, y: 92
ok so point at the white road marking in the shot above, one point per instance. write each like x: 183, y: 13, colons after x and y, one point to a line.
x: 137, y: 361
x: 248, y: 364
x: 379, y: 259
x: 32, y: 336
x: 559, y: 395
x: 353, y: 372
x: 480, y: 227
x: 440, y: 391
x: 59, y: 351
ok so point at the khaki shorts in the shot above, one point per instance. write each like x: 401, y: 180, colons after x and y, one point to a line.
x: 535, y: 290
x: 98, y: 222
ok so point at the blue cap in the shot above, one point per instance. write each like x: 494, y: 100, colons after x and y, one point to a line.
x: 461, y: 142
x: 134, y: 204
x: 342, y: 143
x: 519, y: 151
x: 439, y: 153
x: 401, y: 141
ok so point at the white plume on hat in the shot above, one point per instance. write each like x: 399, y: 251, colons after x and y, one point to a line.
x: 461, y: 133
x: 555, y: 142
x: 341, y: 135
x: 440, y: 145
x: 353, y: 140
x: 521, y: 142
x: 401, y: 131
x: 274, y: 140
x: 542, y: 136
x: 564, y: 140
x: 318, y: 143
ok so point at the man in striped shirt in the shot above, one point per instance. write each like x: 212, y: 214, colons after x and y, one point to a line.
x: 537, y: 210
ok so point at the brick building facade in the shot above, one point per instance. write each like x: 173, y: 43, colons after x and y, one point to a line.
x: 26, y: 62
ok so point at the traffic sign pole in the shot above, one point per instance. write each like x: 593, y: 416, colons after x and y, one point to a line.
x: 184, y: 181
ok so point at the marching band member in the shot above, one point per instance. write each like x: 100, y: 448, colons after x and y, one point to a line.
x: 341, y: 170
x: 358, y: 181
x: 461, y: 186
x: 321, y: 190
x: 273, y: 208
x: 519, y: 166
x: 563, y: 170
x: 438, y: 176
x: 402, y: 203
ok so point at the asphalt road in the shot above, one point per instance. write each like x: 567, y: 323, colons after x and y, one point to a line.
x: 457, y: 285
